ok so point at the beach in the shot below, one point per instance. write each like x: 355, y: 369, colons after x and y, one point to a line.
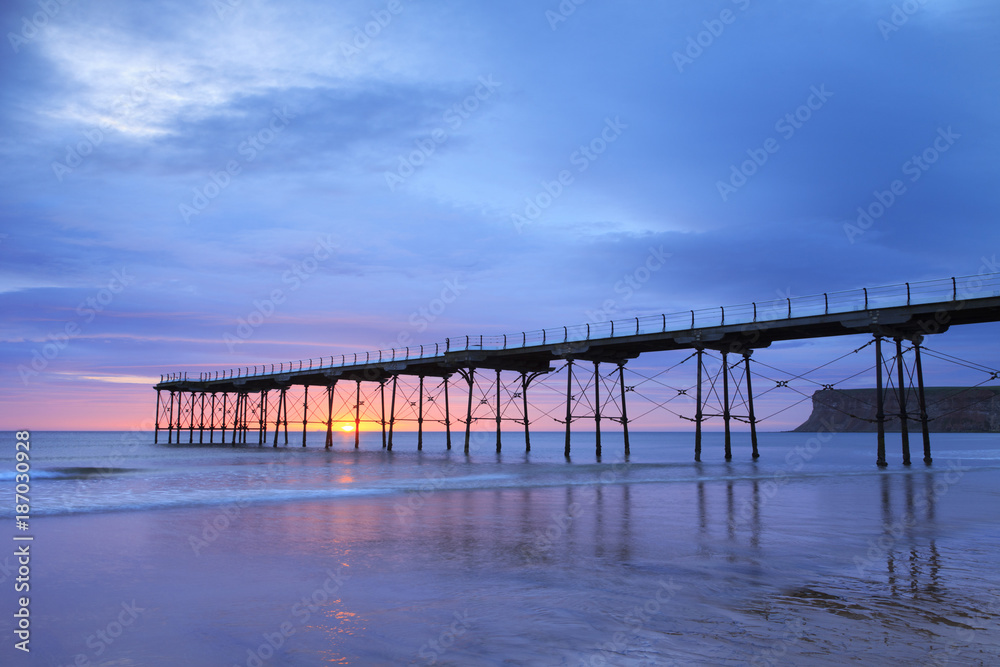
x: 214, y: 555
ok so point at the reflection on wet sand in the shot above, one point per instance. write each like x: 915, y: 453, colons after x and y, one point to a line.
x: 912, y: 565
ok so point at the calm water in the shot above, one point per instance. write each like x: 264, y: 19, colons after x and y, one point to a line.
x: 214, y: 555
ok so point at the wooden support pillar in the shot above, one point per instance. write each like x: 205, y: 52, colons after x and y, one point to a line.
x: 236, y: 417
x: 261, y: 425
x: 210, y: 416
x: 904, y: 427
x: 357, y: 416
x: 697, y: 411
x: 180, y: 415
x: 189, y: 414
x: 201, y: 421
x: 225, y: 417
x: 725, y: 406
x: 284, y: 411
x: 211, y: 426
x: 277, y: 416
x: 447, y: 414
x: 262, y: 420
x: 156, y: 426
x: 244, y: 402
x: 260, y: 408
x: 381, y: 393
x: 267, y: 410
x: 621, y: 385
x: 524, y: 402
x: 499, y: 410
x: 569, y: 405
x: 925, y: 432
x: 392, y: 411
x: 879, y: 403
x: 753, y: 419
x: 305, y: 413
x: 420, y: 416
x: 329, y: 414
x: 470, y: 377
x: 597, y: 406
x: 246, y: 417
x: 191, y: 419
x: 170, y: 421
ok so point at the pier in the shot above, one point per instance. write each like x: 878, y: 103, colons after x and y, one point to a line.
x: 414, y: 384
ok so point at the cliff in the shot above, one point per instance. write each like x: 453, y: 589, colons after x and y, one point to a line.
x: 949, y: 409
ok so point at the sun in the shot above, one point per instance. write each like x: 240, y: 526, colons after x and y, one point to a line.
x: 347, y: 427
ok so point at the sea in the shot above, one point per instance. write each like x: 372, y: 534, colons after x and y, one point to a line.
x: 248, y: 555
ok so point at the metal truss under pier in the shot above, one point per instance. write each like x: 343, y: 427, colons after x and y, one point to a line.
x: 238, y: 402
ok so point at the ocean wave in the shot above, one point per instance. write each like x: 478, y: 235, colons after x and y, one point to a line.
x: 70, y: 472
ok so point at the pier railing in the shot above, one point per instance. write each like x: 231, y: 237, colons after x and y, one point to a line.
x: 947, y: 290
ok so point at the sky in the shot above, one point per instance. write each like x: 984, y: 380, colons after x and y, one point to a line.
x: 194, y: 186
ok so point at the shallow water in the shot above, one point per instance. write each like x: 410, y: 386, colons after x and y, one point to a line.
x: 247, y: 555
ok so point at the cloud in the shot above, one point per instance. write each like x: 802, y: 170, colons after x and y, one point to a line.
x: 157, y: 102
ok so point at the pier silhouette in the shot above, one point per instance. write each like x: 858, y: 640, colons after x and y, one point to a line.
x: 238, y: 402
